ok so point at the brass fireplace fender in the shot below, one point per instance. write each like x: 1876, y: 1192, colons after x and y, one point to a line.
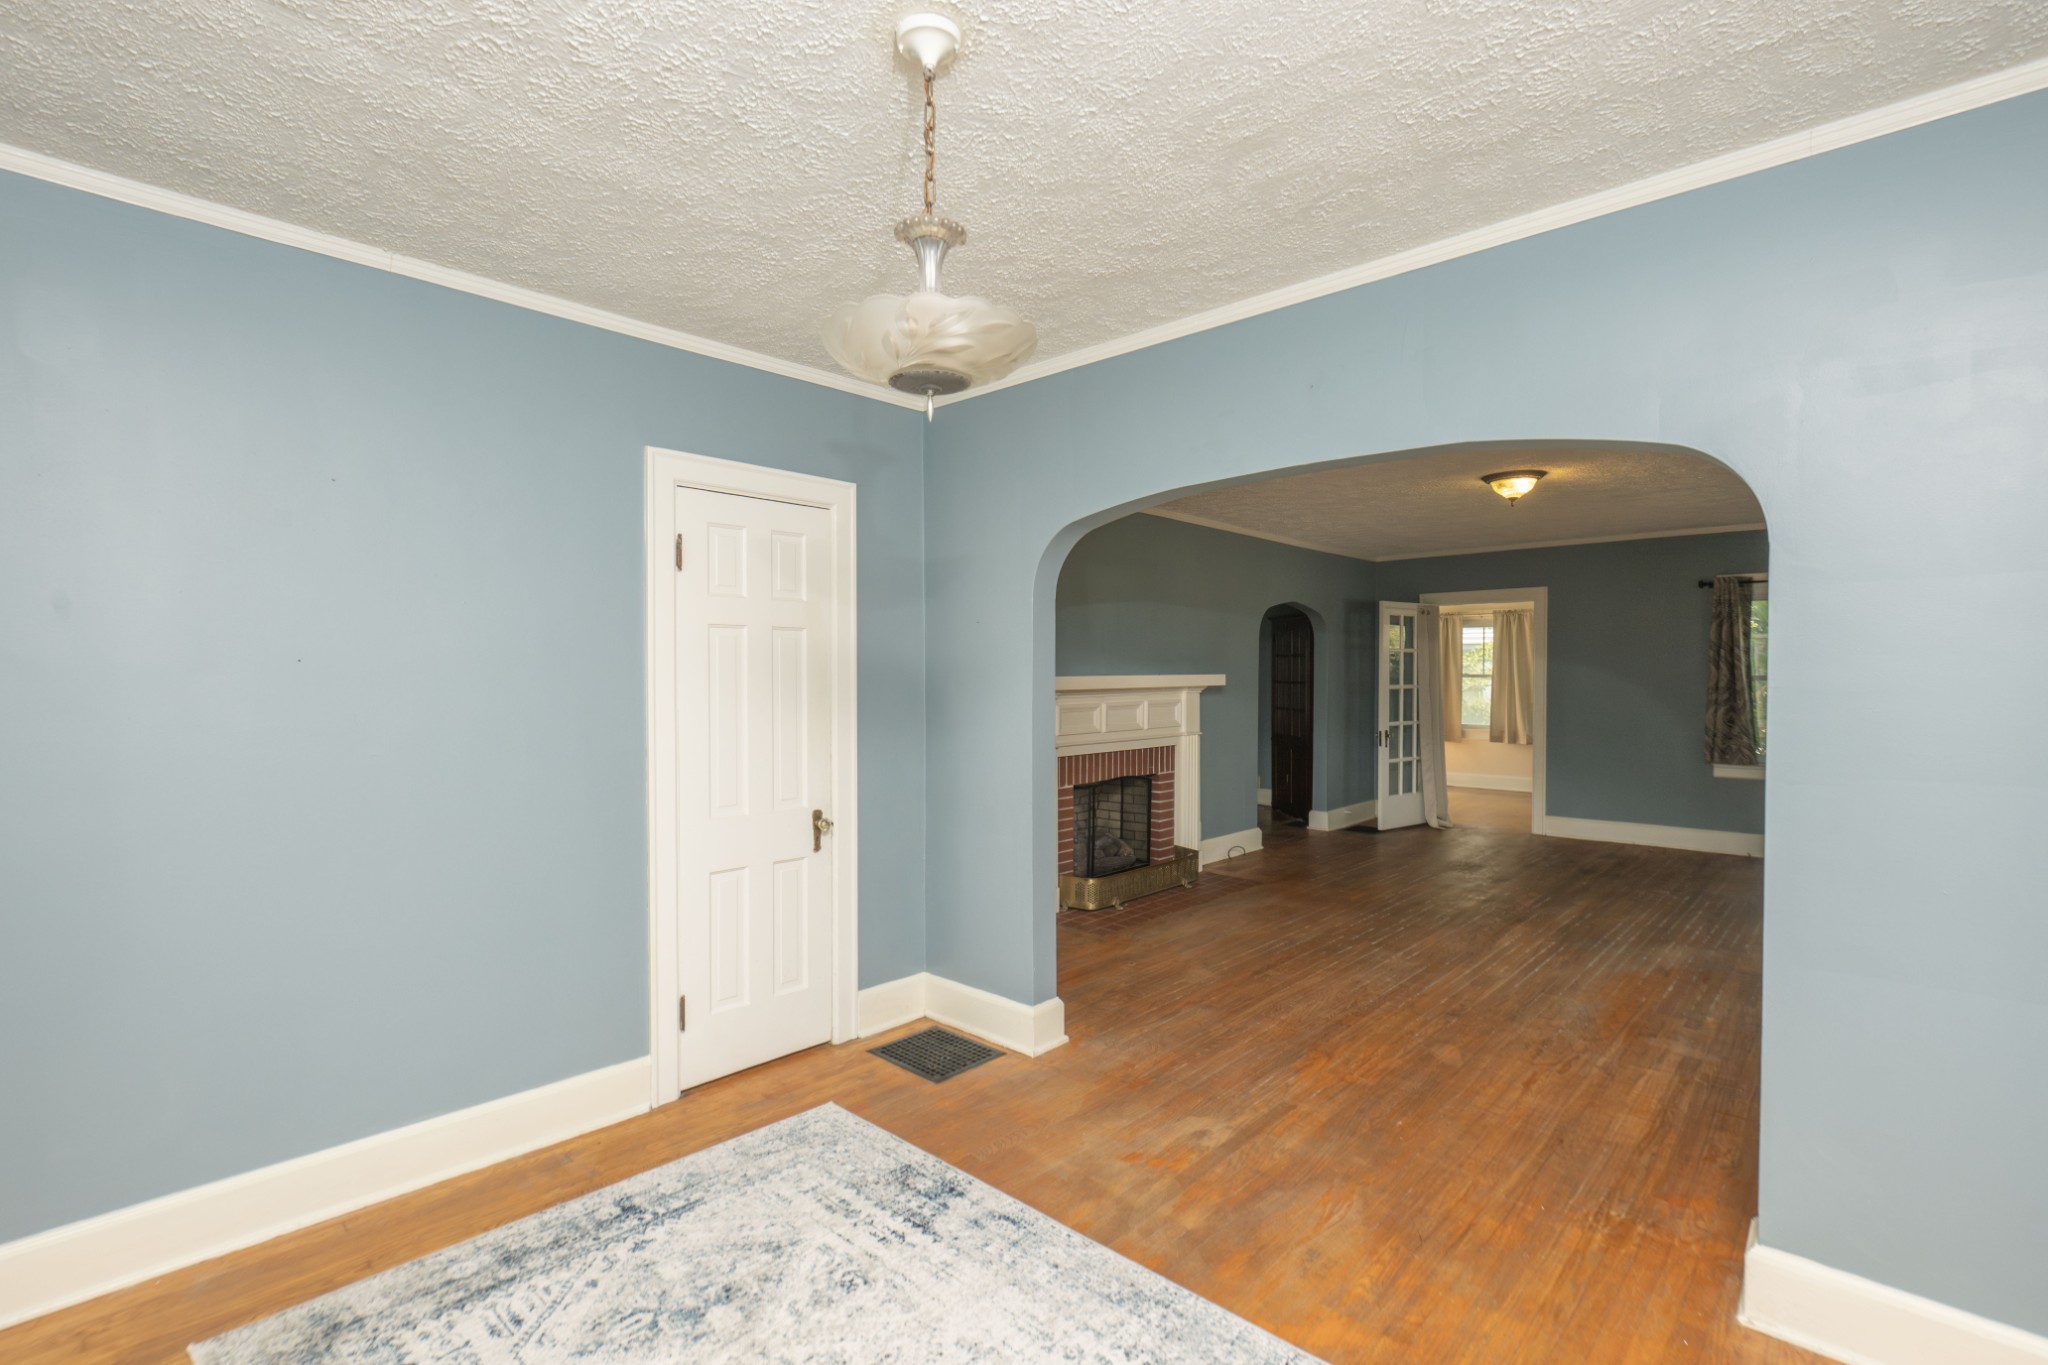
x: 1184, y: 868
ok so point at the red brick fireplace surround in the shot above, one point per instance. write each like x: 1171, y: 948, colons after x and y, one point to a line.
x: 1078, y: 770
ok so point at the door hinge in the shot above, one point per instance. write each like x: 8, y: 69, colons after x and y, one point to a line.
x: 682, y: 1013
x: 679, y: 551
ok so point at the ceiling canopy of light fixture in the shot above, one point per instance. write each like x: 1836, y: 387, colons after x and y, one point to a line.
x: 929, y: 342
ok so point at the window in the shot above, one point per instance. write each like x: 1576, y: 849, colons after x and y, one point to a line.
x: 1759, y: 660
x: 1476, y: 678
x: 1759, y: 680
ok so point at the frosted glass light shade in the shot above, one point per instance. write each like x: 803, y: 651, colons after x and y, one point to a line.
x: 889, y: 335
x: 1513, y: 483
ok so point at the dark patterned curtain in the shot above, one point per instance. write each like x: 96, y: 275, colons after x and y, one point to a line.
x: 1731, y: 718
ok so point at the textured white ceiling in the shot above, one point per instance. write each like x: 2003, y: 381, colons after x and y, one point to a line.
x: 734, y: 170
x: 1436, y: 504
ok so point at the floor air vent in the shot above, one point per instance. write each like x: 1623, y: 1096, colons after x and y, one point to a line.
x: 936, y: 1054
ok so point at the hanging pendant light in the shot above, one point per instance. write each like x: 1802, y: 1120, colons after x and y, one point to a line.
x: 929, y: 342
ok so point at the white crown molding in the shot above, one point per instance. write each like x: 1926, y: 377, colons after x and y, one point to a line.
x: 1908, y: 113
x: 2024, y: 79
x: 1214, y: 525
x: 107, y: 186
x: 66, y: 1265
x: 1582, y: 540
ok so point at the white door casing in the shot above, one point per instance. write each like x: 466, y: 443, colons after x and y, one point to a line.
x: 752, y: 915
x: 1400, y: 764
x: 1538, y: 600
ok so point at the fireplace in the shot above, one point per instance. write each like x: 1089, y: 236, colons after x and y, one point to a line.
x: 1130, y: 769
x: 1116, y: 823
x: 1116, y: 810
x: 1112, y: 826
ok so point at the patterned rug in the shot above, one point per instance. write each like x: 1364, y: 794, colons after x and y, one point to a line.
x: 818, y: 1239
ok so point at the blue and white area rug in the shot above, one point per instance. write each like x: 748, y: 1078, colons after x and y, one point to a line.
x: 818, y: 1239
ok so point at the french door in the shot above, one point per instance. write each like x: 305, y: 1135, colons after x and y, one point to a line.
x: 1400, y: 763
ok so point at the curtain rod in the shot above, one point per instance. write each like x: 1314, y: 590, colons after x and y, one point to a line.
x: 1746, y: 577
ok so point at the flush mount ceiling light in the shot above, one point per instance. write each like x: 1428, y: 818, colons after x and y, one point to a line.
x: 1513, y: 483
x: 929, y: 342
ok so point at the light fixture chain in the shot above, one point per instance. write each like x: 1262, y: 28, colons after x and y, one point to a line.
x: 931, y: 146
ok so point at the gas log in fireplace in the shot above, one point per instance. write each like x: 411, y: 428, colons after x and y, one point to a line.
x: 1112, y: 826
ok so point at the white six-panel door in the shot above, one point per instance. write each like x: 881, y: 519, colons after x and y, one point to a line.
x: 1400, y: 750
x: 754, y: 752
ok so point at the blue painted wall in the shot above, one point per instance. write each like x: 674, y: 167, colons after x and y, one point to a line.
x: 1864, y: 337
x: 1148, y: 595
x: 322, y: 756
x: 1628, y: 670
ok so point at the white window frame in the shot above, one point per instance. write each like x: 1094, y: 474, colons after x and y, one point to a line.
x: 1464, y: 724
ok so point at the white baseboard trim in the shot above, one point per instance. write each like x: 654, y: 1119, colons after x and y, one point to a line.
x: 1033, y: 1030
x: 1265, y: 796
x: 1220, y: 848
x: 1344, y: 817
x: 1862, y: 1322
x: 51, y: 1270
x: 1030, y: 1029
x: 1492, y: 782
x: 890, y: 1005
x: 1654, y: 836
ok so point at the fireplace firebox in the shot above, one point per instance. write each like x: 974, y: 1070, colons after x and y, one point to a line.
x: 1112, y: 826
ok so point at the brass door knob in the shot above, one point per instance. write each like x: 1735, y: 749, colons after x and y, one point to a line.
x: 820, y: 827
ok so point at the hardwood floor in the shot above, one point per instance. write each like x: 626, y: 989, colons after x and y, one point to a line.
x: 1419, y: 1096
x: 1501, y: 812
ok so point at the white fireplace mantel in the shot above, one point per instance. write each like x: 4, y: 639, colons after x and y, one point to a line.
x: 1096, y: 715
x: 1137, y: 682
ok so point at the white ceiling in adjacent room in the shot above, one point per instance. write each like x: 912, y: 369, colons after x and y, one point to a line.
x: 1436, y: 504
x: 733, y: 171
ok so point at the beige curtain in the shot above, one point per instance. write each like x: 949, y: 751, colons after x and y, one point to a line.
x: 1429, y: 725
x: 1453, y: 689
x: 1514, y: 677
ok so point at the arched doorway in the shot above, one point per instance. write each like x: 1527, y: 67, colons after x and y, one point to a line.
x: 1290, y: 666
x: 1342, y: 760
x: 1382, y: 931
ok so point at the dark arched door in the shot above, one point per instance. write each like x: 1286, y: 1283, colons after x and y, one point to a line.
x: 1293, y: 720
